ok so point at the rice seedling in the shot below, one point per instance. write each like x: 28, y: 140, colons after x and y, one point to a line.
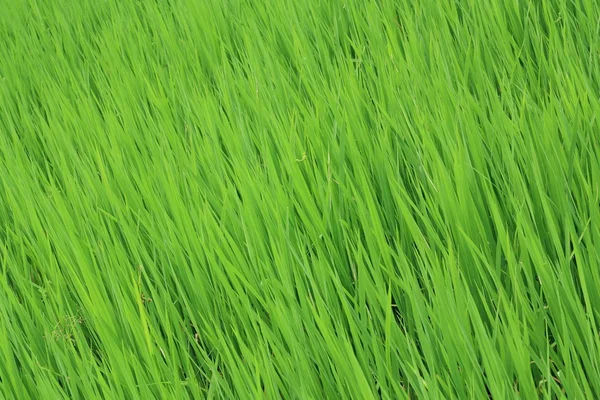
x: 300, y: 199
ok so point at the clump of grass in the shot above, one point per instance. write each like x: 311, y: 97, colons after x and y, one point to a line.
x: 339, y: 199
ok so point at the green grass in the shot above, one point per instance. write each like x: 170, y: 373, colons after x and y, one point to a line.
x: 299, y: 199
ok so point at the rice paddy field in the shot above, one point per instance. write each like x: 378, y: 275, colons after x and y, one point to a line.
x: 341, y: 199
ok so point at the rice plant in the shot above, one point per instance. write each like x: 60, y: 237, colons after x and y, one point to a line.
x: 341, y: 199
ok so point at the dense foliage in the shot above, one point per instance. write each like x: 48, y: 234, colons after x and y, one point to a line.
x: 299, y: 199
